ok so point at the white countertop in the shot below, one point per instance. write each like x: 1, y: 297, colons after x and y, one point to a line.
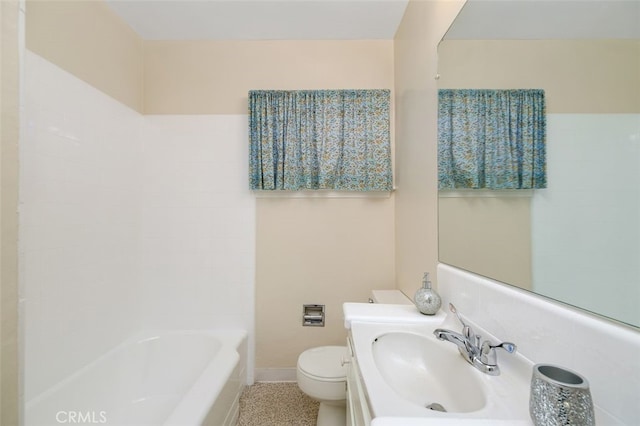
x: 378, y: 312
x: 421, y: 421
x: 507, y: 394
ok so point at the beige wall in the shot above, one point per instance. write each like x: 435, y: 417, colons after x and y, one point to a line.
x: 214, y: 77
x: 325, y: 251
x: 490, y: 236
x: 416, y: 198
x: 87, y: 39
x: 9, y: 133
x: 309, y: 250
x: 578, y: 76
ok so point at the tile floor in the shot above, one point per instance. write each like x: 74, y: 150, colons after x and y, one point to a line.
x: 276, y: 404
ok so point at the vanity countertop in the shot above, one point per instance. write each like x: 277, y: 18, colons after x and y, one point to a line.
x: 508, y: 394
x: 397, y: 314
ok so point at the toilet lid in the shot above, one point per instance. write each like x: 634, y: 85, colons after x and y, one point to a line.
x: 324, y: 362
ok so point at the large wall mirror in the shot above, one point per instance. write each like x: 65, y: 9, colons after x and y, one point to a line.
x: 578, y: 240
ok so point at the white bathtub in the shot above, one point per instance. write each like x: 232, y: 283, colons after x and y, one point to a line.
x: 171, y: 378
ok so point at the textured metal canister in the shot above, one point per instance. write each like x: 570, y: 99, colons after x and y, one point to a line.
x: 559, y: 397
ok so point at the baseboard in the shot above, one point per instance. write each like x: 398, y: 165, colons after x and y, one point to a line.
x: 275, y: 374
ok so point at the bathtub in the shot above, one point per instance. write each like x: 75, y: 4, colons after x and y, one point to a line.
x: 171, y: 378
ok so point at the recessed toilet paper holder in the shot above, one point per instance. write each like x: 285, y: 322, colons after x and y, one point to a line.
x: 313, y: 315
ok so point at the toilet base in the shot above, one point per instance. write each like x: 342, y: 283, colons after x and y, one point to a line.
x: 332, y: 415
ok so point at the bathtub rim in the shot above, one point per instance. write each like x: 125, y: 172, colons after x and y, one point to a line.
x: 191, y: 409
x: 230, y: 339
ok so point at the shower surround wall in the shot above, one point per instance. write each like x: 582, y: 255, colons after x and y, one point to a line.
x: 79, y: 223
x: 128, y: 222
x: 197, y: 223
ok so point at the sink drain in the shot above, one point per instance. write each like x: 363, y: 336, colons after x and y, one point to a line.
x: 436, y: 407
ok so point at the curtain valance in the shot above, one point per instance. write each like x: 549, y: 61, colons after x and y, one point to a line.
x: 491, y: 139
x: 320, y: 139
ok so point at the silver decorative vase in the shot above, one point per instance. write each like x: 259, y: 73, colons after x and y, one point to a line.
x: 559, y: 397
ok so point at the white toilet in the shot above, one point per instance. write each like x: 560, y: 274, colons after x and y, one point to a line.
x: 322, y: 375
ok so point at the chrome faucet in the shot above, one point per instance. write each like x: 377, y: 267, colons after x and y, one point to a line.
x: 481, y: 355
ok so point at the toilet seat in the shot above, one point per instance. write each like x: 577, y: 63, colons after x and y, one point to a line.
x: 324, y: 363
x: 322, y: 375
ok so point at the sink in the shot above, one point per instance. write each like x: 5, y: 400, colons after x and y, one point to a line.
x: 428, y: 373
x: 404, y: 368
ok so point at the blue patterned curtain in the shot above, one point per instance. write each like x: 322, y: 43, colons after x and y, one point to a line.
x: 320, y: 139
x: 491, y: 139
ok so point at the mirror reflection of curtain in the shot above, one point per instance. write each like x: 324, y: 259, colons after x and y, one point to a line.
x: 320, y: 139
x: 492, y: 139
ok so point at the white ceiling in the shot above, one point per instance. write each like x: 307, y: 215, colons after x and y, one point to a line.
x: 546, y: 19
x: 262, y: 19
x: 374, y: 19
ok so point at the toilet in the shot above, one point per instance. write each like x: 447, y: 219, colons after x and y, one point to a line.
x: 322, y: 372
x: 322, y: 375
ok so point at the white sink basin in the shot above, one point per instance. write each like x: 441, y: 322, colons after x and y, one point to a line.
x: 405, y: 368
x: 427, y: 372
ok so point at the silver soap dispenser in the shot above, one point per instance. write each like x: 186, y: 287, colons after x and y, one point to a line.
x: 426, y: 299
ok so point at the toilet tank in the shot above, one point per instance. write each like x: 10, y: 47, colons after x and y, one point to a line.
x: 393, y: 297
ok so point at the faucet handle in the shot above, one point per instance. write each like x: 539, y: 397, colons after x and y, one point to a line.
x: 507, y: 346
x: 478, y: 341
x: 488, y: 353
x: 453, y: 309
x: 467, y: 331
